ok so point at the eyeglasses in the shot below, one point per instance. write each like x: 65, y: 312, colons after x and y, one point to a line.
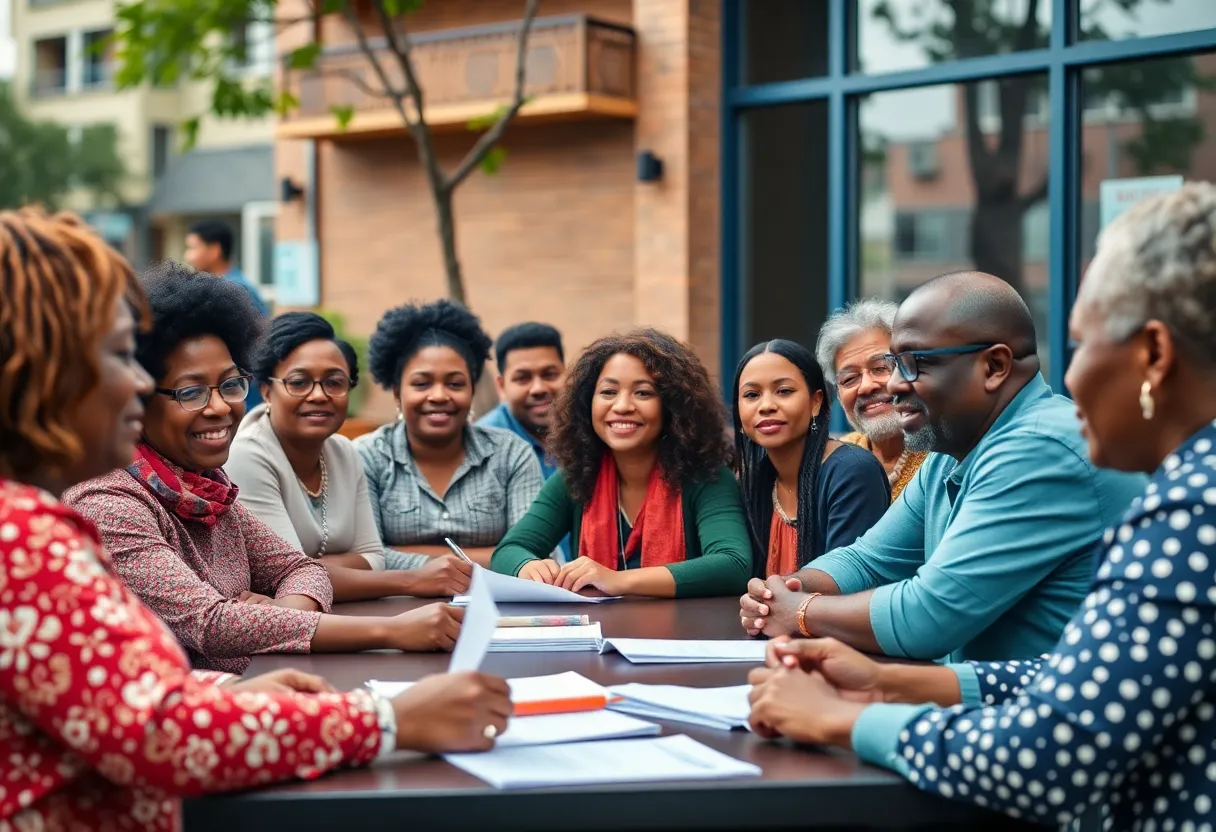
x: 302, y: 386
x: 878, y: 370
x: 195, y: 397
x: 908, y: 363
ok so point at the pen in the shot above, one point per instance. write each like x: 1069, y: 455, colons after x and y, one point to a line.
x: 543, y: 620
x: 458, y: 550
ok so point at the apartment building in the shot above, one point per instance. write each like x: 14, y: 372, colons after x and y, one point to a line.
x: 64, y: 74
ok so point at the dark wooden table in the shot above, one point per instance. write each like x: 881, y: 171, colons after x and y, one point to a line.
x: 800, y: 787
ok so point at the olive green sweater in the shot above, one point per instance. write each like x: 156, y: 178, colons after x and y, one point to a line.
x: 718, y: 552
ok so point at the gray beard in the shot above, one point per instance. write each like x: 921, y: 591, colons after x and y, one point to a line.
x: 929, y: 439
x: 878, y: 428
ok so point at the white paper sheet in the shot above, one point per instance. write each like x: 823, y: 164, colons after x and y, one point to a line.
x: 685, y: 651
x: 610, y: 761
x: 477, y: 629
x: 579, y: 727
x: 723, y: 708
x: 583, y: 638
x: 568, y: 685
x: 507, y: 589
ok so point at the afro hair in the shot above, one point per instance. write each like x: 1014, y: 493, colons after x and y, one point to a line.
x: 188, y: 304
x: 290, y: 331
x: 408, y: 329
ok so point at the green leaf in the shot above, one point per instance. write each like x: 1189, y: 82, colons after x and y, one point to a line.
x: 189, y: 129
x: 285, y: 102
x: 332, y: 6
x: 343, y: 113
x: 479, y: 123
x: 491, y: 163
x: 305, y: 57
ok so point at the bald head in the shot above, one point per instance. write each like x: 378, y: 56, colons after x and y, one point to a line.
x: 972, y: 308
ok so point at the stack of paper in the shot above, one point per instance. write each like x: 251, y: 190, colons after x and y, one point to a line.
x: 679, y: 651
x: 585, y: 638
x: 532, y: 695
x: 613, y: 761
x: 507, y: 589
x: 723, y: 708
x: 580, y: 727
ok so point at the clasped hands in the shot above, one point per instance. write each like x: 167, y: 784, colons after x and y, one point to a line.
x: 812, y: 691
x: 771, y: 607
x: 575, y: 575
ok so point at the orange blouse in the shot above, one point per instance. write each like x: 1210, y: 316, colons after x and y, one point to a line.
x: 782, y: 547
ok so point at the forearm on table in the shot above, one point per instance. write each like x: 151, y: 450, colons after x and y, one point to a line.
x: 350, y: 634
x: 816, y: 580
x: 845, y: 618
x: 345, y: 560
x: 652, y: 581
x: 916, y: 684
x: 352, y: 584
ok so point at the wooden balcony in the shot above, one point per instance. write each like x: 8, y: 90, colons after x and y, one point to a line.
x: 577, y: 68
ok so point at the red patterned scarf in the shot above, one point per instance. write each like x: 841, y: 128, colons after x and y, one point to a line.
x: 659, y: 527
x: 201, y: 497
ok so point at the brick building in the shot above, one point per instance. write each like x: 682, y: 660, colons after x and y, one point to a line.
x: 565, y: 232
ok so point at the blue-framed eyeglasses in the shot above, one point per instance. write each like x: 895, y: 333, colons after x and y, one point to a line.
x: 908, y: 363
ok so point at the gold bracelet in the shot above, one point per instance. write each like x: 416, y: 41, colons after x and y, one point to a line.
x: 802, y: 613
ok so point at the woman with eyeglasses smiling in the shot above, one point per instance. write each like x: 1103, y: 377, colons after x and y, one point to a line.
x: 226, y: 584
x: 301, y: 478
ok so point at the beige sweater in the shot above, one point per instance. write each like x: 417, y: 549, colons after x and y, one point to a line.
x: 270, y: 489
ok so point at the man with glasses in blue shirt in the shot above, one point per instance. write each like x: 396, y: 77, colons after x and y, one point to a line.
x: 989, y: 550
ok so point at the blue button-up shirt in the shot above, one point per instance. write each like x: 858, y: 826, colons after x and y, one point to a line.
x: 238, y: 277
x: 502, y: 418
x: 988, y: 558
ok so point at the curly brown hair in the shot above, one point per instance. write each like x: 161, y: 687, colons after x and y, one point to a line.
x: 694, y: 442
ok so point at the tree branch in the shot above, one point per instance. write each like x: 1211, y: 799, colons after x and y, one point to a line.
x: 491, y: 137
x: 356, y: 25
x: 1030, y: 27
x: 1036, y: 195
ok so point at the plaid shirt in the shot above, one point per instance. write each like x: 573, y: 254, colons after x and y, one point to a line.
x: 490, y: 491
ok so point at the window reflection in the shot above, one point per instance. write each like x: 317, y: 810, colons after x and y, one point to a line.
x: 955, y: 177
x: 1107, y: 20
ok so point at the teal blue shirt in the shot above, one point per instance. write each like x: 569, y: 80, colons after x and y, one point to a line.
x: 988, y: 558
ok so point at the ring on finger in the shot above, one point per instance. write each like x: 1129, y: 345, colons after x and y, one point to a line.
x: 490, y: 732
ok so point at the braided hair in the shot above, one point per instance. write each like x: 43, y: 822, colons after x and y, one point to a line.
x: 59, y: 283
x: 757, y: 474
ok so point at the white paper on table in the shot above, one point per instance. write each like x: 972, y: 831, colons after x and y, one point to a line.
x: 583, y: 637
x: 507, y: 589
x: 585, y: 726
x: 610, y: 761
x: 685, y: 651
x: 568, y: 685
x: 725, y: 708
x: 477, y: 629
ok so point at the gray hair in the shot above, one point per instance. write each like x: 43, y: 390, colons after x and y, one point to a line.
x: 845, y: 324
x: 1157, y: 261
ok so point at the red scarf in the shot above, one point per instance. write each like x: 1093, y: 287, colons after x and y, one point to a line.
x: 659, y: 527
x: 204, y: 498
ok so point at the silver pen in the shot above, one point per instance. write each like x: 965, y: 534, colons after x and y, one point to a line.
x: 459, y: 552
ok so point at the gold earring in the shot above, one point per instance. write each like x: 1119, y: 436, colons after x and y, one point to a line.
x: 1146, y: 400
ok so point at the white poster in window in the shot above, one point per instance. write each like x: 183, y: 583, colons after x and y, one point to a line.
x: 1117, y: 195
x: 296, y: 274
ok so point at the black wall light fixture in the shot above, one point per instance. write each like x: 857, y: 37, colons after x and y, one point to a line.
x: 650, y: 167
x: 289, y: 191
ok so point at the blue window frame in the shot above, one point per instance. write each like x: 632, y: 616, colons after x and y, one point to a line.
x: 1069, y: 221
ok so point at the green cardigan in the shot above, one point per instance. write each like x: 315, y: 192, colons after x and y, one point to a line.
x: 718, y: 551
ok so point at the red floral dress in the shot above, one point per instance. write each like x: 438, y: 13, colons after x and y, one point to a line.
x: 102, y: 724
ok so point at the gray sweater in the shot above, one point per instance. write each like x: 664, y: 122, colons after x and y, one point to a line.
x: 270, y: 489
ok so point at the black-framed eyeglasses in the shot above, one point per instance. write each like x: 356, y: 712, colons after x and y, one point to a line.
x: 908, y: 363
x: 301, y: 386
x: 195, y: 397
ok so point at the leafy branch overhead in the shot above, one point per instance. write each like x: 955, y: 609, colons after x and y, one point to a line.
x: 168, y: 41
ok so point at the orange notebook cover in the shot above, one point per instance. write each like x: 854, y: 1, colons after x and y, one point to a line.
x: 561, y: 693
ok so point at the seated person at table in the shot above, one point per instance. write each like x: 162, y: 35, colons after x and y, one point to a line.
x: 1117, y: 719
x: 642, y: 488
x: 803, y: 492
x: 851, y: 349
x: 989, y: 549
x: 433, y: 475
x: 103, y: 725
x: 303, y: 480
x: 224, y: 582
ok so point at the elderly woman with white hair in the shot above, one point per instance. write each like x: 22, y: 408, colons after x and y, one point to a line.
x: 1119, y: 719
x: 851, y: 351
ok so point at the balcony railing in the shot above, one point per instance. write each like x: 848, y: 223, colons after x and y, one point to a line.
x: 576, y: 67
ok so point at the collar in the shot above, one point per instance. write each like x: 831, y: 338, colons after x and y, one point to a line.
x: 1034, y: 390
x: 517, y: 427
x: 477, y: 448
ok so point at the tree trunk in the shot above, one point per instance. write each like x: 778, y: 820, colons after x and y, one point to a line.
x: 446, y: 221
x: 996, y: 237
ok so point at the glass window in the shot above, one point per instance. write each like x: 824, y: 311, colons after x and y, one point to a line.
x: 1104, y: 20
x: 946, y: 185
x: 98, y: 58
x: 782, y: 40
x: 893, y: 35
x: 783, y: 237
x: 1159, y: 121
